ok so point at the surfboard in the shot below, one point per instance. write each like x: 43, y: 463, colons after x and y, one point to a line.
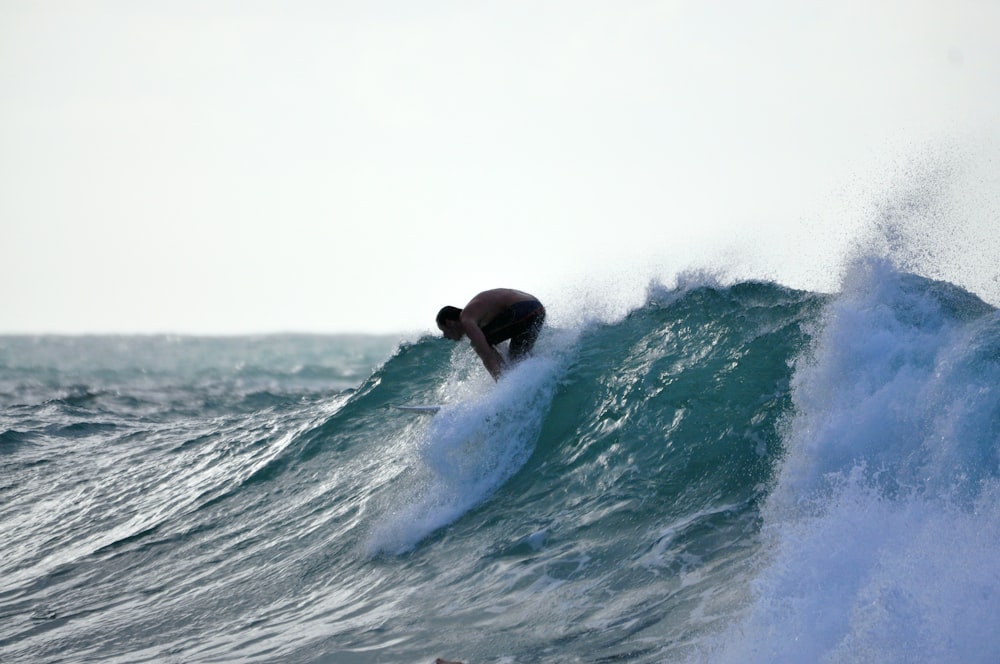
x: 423, y: 410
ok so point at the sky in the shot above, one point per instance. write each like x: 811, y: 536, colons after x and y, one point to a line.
x: 245, y: 166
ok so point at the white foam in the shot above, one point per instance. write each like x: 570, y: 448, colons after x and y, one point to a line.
x: 880, y: 535
x: 468, y: 450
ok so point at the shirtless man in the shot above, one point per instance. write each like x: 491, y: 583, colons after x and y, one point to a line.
x: 491, y: 317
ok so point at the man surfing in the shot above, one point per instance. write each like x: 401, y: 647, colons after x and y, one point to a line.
x: 491, y: 317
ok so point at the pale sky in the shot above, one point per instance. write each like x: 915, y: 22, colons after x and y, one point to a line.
x: 323, y: 166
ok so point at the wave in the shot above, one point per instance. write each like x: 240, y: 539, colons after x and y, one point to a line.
x: 839, y: 454
x: 658, y: 382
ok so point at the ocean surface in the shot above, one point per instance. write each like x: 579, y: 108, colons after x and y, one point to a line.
x: 731, y: 472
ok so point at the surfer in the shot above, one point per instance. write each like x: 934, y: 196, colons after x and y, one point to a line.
x: 491, y: 317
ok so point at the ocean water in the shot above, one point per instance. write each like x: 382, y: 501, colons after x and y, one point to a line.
x: 731, y: 472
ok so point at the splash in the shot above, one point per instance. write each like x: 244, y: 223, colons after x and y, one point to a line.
x: 880, y: 532
x: 468, y: 450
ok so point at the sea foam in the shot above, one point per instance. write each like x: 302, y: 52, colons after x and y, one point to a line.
x: 468, y: 450
x: 880, y: 533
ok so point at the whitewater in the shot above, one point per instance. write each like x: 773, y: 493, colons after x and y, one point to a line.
x: 729, y: 472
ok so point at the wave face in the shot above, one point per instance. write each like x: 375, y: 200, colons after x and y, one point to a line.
x: 727, y: 473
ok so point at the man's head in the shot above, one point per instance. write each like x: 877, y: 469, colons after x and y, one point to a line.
x: 448, y: 321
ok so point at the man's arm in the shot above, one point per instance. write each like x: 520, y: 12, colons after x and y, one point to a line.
x: 490, y: 356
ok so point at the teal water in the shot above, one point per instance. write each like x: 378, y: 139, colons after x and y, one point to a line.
x: 728, y: 473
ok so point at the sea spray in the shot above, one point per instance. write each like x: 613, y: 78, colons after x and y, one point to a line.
x: 885, y: 513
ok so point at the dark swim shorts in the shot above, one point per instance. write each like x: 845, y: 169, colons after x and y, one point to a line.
x: 520, y: 323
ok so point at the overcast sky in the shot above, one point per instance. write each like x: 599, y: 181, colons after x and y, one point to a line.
x: 323, y: 166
